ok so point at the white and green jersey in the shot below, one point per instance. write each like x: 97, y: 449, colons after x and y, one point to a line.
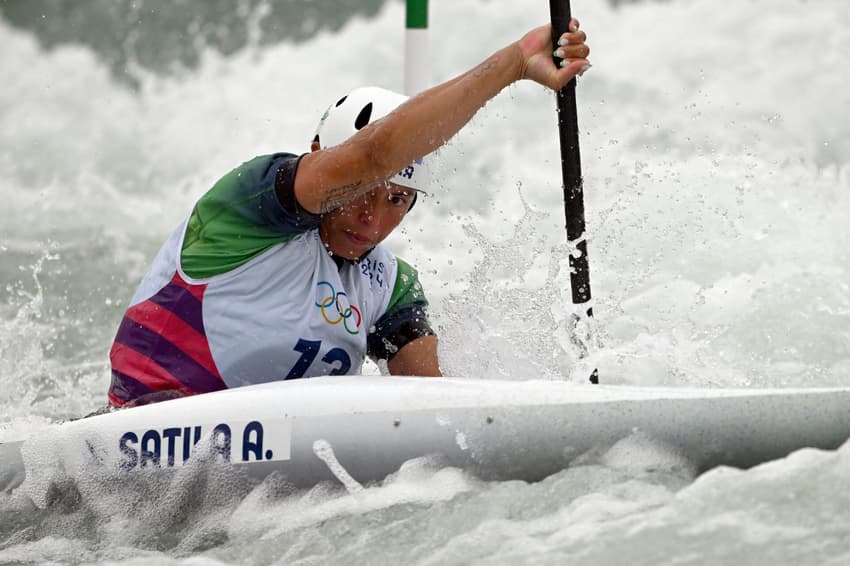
x: 244, y: 292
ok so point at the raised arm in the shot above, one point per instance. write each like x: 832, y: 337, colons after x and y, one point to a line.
x: 330, y: 177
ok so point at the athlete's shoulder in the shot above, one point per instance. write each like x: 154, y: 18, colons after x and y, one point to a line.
x: 262, y: 166
x: 247, y: 180
x: 240, y: 217
x: 407, y: 288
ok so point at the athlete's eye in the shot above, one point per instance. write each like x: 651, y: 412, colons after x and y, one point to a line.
x: 399, y: 199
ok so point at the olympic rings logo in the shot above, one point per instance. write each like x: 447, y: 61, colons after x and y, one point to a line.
x: 336, y: 308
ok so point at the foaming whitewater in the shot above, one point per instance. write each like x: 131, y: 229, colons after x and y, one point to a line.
x: 714, y: 144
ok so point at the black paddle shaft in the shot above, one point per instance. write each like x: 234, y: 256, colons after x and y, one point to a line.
x: 571, y: 166
x: 571, y: 172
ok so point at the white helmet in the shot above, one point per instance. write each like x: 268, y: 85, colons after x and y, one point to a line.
x: 360, y: 107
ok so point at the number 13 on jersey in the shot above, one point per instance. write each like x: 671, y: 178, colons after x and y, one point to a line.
x: 309, y: 349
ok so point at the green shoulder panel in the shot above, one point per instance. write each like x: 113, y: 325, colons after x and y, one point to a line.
x: 407, y: 289
x: 226, y: 228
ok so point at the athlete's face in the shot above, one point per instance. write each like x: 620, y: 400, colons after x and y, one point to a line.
x: 355, y: 228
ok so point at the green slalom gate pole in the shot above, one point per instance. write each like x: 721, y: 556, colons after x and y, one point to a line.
x: 417, y: 71
x: 573, y: 188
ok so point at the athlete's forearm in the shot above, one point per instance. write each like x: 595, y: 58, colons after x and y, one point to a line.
x: 421, y: 125
x: 427, y: 121
x: 418, y: 357
x: 337, y: 175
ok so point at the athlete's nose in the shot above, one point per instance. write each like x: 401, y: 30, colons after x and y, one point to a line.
x: 370, y: 214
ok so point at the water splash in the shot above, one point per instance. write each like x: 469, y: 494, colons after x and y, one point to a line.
x: 25, y: 338
x: 514, y: 318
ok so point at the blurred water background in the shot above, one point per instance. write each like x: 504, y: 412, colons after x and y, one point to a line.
x: 715, y: 143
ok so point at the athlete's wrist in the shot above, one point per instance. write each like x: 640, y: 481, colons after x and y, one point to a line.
x: 520, y: 61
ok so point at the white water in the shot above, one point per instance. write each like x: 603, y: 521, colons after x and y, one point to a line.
x: 714, y: 145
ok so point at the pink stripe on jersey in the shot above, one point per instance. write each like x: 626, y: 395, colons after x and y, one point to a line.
x: 161, y: 345
x: 162, y: 321
x: 142, y: 368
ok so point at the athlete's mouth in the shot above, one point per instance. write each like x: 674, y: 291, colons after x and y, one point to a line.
x: 357, y: 239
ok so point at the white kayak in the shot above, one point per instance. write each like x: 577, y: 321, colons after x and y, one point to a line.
x: 363, y: 428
